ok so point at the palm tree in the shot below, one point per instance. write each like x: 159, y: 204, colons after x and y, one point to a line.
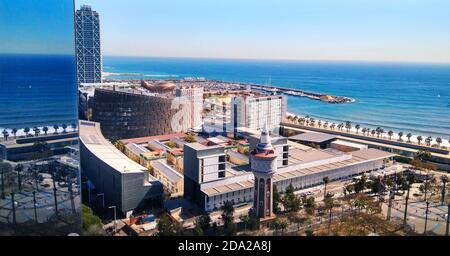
x: 325, y: 180
x: 36, y: 131
x: 400, y: 135
x: 439, y: 141
x: 64, y: 126
x: 379, y: 131
x: 364, y: 130
x: 419, y: 139
x: 325, y: 125
x: 26, y: 130
x: 45, y: 130
x: 428, y: 140
x: 5, y: 134
x: 329, y: 204
x: 409, y: 135
x: 445, y: 180
x: 390, y: 133
x: 340, y: 126
x: 73, y: 126
x: 14, y: 131
x: 357, y: 127
x: 348, y: 125
x: 373, y: 132
x: 332, y: 126
x: 410, y: 181
x: 319, y: 123
x: 56, y: 127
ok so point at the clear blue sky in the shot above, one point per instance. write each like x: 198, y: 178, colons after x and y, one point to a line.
x: 45, y: 26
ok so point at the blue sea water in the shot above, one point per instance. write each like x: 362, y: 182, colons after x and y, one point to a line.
x: 396, y: 96
x: 37, y: 90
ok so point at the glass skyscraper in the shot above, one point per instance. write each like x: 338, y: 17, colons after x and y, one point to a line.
x: 39, y: 160
x: 87, y: 40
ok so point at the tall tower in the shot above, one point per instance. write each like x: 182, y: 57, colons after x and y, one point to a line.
x: 263, y: 163
x: 87, y: 43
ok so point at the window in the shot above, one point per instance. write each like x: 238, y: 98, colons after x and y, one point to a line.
x: 222, y: 174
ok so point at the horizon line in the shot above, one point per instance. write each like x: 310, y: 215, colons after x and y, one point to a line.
x: 281, y: 59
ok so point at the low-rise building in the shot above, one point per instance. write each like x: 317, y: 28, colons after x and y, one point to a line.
x: 125, y: 184
x: 170, y: 178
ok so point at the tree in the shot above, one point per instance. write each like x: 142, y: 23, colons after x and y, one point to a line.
x: 190, y: 138
x: 45, y: 130
x: 64, y: 126
x: 409, y: 135
x: 278, y: 224
x: 290, y: 201
x: 171, y: 144
x: 364, y: 130
x: 276, y: 200
x: 373, y: 132
x: 14, y: 131
x: 204, y: 221
x: 229, y: 227
x: 390, y: 134
x: 419, y: 139
x: 400, y: 135
x: 439, y: 141
x: 36, y: 131
x: 5, y: 134
x: 19, y: 168
x: 56, y: 128
x: 423, y: 156
x: 325, y: 180
x: 165, y: 226
x: 444, y: 180
x: 332, y: 126
x: 73, y: 126
x: 119, y: 145
x: 309, y: 203
x: 357, y: 127
x: 26, y: 130
x: 329, y: 204
x: 428, y: 140
x: 348, y: 126
x: 90, y: 221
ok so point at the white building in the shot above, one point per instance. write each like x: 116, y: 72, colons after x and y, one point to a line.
x: 255, y: 111
x: 195, y: 96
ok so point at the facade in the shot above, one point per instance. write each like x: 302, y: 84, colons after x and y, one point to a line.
x: 125, y: 184
x: 255, y: 111
x: 202, y: 164
x: 87, y: 43
x: 195, y: 96
x: 170, y: 178
x: 131, y: 114
x: 23, y: 149
x: 210, y: 182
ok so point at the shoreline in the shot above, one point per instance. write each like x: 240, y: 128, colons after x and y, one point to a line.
x: 444, y: 143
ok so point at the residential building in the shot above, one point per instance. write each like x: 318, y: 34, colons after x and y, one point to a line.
x: 194, y: 94
x: 254, y: 111
x: 170, y: 178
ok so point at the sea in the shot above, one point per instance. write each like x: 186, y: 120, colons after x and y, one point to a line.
x: 407, y: 97
x: 37, y: 90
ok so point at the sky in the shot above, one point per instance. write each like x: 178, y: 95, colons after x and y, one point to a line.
x: 43, y: 27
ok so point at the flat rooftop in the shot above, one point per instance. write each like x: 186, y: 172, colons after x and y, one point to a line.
x: 315, y: 137
x: 141, y: 140
x: 168, y: 171
x: 92, y: 138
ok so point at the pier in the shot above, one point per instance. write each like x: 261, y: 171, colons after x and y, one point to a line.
x: 333, y: 99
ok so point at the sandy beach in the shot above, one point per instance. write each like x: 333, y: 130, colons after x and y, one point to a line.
x: 413, y: 139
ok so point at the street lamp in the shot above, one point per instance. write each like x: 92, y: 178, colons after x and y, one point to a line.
x: 114, y: 207
x: 103, y: 199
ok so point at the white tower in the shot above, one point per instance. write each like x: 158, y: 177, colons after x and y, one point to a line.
x: 263, y: 164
